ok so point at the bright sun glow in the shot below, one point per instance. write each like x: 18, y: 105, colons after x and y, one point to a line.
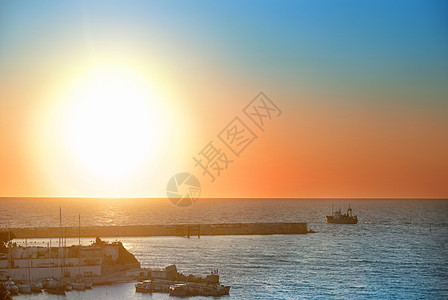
x: 113, y: 125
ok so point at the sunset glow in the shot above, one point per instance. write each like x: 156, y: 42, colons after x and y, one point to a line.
x: 113, y: 125
x: 108, y: 99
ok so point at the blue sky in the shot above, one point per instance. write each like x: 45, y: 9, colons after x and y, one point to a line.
x: 346, y: 41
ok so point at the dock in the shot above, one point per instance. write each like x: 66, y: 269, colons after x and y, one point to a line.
x: 184, y: 230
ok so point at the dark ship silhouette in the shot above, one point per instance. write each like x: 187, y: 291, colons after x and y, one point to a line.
x: 338, y: 217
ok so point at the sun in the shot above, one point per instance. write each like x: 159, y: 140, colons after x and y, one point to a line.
x: 113, y: 124
x: 115, y: 130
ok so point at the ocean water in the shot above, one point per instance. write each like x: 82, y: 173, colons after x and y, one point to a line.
x: 399, y: 249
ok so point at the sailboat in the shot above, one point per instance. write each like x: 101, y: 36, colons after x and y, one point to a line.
x: 9, y: 285
x: 78, y: 283
x: 26, y: 288
x: 51, y: 285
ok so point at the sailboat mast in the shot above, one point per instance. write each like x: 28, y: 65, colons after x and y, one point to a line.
x: 60, y: 241
x: 79, y: 229
x: 9, y: 248
x: 79, y: 242
x: 28, y: 261
x: 49, y: 256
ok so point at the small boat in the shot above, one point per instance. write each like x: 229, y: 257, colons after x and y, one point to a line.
x: 144, y: 287
x: 11, y: 287
x: 36, y: 287
x: 57, y: 290
x: 49, y: 282
x: 88, y: 285
x: 338, y: 217
x: 216, y: 290
x: 161, y: 285
x: 223, y: 290
x: 179, y: 290
x: 24, y: 289
x: 194, y: 289
x: 78, y: 286
x: 78, y: 283
x: 52, y: 286
x: 181, y: 285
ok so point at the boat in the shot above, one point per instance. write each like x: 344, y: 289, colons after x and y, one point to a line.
x: 144, y: 287
x: 88, y: 285
x: 24, y: 289
x: 337, y: 217
x: 11, y: 287
x: 162, y: 285
x: 52, y: 286
x: 36, y: 287
x: 170, y: 281
x: 49, y: 283
x: 58, y: 290
x: 78, y: 286
x: 198, y: 289
x: 217, y: 290
x: 179, y: 290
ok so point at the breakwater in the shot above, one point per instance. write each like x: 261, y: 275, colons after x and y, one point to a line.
x: 163, y: 230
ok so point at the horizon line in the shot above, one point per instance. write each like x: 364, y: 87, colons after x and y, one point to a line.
x: 260, y: 198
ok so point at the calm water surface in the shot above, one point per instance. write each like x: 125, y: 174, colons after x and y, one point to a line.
x: 399, y: 250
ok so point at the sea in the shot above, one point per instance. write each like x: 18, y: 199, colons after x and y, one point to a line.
x: 398, y: 250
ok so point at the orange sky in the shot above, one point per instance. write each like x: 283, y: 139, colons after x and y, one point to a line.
x: 92, y: 105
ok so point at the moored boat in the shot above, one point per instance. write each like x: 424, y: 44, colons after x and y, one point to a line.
x: 57, y: 290
x: 88, y: 285
x: 144, y: 287
x: 78, y: 286
x: 36, y: 287
x: 198, y: 289
x: 11, y: 287
x: 178, y: 290
x: 24, y: 289
x: 52, y: 286
x: 215, y: 290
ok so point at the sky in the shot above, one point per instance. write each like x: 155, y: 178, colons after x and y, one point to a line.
x: 113, y: 98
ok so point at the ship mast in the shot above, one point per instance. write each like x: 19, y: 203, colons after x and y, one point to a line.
x: 59, y: 243
x: 9, y: 248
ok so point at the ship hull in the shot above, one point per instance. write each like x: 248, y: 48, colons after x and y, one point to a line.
x: 331, y: 219
x: 143, y: 290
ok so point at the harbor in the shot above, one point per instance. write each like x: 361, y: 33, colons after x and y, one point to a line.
x: 58, y: 268
x: 63, y: 269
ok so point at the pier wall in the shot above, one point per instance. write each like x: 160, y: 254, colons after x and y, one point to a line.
x: 164, y: 230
